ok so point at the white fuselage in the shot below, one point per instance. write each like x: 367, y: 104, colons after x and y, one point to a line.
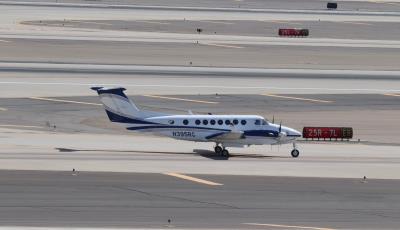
x: 243, y: 129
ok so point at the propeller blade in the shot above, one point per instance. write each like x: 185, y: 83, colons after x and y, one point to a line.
x: 280, y: 127
x: 273, y: 119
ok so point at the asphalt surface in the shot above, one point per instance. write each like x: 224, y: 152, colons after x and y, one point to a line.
x: 253, y: 4
x: 150, y: 53
x: 50, y: 199
x: 121, y: 180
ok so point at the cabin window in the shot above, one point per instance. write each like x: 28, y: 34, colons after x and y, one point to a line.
x: 227, y: 122
x: 220, y: 122
x: 205, y: 122
x: 171, y: 122
x: 185, y: 122
x: 235, y: 122
x: 197, y: 122
x: 264, y: 122
x: 243, y: 122
x: 257, y: 122
x: 212, y: 122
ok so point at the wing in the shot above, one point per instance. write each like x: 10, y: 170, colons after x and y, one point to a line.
x: 226, y: 135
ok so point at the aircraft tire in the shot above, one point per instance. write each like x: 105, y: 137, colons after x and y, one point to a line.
x: 225, y: 153
x: 218, y: 150
x: 295, y: 153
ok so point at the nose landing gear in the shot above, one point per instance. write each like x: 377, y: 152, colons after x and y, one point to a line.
x: 295, y: 152
x: 221, y: 151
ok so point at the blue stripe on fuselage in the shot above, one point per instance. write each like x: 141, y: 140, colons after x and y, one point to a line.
x: 121, y: 119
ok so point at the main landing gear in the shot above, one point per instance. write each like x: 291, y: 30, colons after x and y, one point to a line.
x: 221, y: 151
x: 295, y: 152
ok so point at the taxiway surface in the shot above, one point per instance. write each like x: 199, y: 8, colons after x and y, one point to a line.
x: 83, y: 199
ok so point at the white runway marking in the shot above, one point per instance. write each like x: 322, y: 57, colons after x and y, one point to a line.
x: 288, y: 226
x: 64, y: 101
x: 358, y: 23
x: 3, y: 109
x: 206, y: 86
x: 297, y: 98
x: 4, y: 41
x: 151, y: 22
x: 218, y: 22
x: 181, y: 99
x: 194, y: 179
x: 283, y: 22
x: 222, y: 45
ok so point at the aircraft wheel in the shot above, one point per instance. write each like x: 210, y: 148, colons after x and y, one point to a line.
x: 218, y: 150
x: 225, y: 153
x: 295, y: 153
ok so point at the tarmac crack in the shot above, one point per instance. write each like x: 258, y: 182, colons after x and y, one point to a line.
x: 179, y: 198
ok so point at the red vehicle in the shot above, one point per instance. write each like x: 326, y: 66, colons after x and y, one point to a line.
x: 328, y: 132
x: 293, y: 32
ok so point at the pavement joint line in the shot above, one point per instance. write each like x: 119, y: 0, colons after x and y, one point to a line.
x: 288, y: 226
x: 151, y: 22
x: 20, y: 126
x: 194, y: 179
x: 222, y: 45
x: 392, y: 94
x: 375, y: 90
x: 181, y: 99
x: 297, y: 98
x: 66, y: 101
x: 95, y: 23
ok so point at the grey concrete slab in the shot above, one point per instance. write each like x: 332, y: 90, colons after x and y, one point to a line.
x: 89, y: 199
x: 318, y: 29
x: 373, y: 116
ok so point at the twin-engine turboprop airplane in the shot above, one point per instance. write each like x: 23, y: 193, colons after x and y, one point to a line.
x: 224, y: 130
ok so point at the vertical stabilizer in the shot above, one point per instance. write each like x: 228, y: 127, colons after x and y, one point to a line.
x: 118, y: 106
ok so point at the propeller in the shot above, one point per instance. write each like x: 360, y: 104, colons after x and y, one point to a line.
x: 280, y: 127
x: 273, y: 119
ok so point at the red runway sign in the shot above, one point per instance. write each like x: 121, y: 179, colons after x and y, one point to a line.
x: 328, y: 132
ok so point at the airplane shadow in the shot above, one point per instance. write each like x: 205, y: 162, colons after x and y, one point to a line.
x: 197, y: 152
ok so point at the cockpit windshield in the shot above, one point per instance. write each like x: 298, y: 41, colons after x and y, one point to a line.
x: 260, y: 122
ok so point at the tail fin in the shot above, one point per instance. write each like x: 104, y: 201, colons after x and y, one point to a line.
x: 118, y: 106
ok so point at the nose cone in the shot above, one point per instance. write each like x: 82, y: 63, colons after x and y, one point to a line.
x: 292, y: 132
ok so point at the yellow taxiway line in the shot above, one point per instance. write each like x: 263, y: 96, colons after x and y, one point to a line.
x: 297, y: 98
x: 392, y: 94
x: 222, y: 45
x: 287, y: 226
x: 194, y: 179
x: 182, y: 99
x: 66, y: 101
